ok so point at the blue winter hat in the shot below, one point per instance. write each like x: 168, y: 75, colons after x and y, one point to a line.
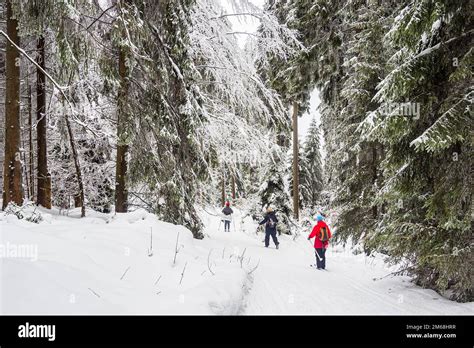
x: 319, y: 218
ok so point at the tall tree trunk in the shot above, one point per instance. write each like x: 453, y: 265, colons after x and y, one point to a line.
x: 223, y: 190
x: 295, y: 162
x: 121, y: 169
x: 30, y: 136
x: 78, y: 197
x: 233, y: 186
x: 374, y: 177
x: 23, y: 155
x: 12, y: 188
x: 44, y: 177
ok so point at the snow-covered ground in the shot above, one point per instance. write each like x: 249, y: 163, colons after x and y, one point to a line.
x: 102, y: 264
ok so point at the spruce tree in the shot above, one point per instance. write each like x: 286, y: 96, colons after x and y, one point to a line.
x: 274, y: 191
x: 12, y: 167
x: 311, y: 174
x: 168, y: 113
x: 355, y: 173
x: 425, y: 124
x: 395, y: 92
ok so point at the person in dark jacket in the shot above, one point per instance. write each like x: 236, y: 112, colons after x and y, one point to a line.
x: 227, y: 211
x: 270, y: 221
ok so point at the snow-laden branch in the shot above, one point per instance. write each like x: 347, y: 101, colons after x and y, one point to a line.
x: 98, y: 18
x: 241, y: 33
x: 23, y: 52
x: 174, y: 66
x: 403, y: 69
x: 53, y: 81
x: 237, y: 14
x: 241, y: 108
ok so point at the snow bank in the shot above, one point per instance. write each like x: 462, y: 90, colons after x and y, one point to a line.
x: 101, y: 265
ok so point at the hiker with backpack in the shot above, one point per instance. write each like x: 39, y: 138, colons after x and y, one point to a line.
x: 227, y: 211
x: 270, y: 221
x: 322, y: 234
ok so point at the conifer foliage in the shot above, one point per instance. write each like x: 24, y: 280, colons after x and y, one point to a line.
x: 311, y: 172
x: 396, y: 90
x: 115, y: 105
x: 138, y: 104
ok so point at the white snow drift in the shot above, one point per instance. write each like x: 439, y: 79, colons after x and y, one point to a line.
x: 104, y: 264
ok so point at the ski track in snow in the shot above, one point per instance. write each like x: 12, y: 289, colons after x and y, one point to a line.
x: 85, y: 257
x: 284, y: 283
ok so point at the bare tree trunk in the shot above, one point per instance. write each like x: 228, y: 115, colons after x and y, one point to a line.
x: 223, y: 190
x: 23, y: 155
x: 295, y: 162
x: 79, y: 197
x: 44, y: 177
x: 12, y: 188
x: 78, y: 201
x: 30, y: 133
x: 374, y: 177
x: 233, y: 185
x: 121, y: 169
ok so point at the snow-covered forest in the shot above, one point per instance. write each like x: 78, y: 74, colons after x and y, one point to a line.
x: 126, y: 126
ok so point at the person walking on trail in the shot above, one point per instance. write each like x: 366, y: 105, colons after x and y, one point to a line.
x: 227, y: 211
x: 322, y: 234
x: 270, y: 221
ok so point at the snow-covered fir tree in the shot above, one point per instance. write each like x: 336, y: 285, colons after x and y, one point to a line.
x: 274, y: 189
x: 355, y: 173
x: 115, y: 106
x: 311, y: 172
x: 425, y: 124
x: 391, y: 135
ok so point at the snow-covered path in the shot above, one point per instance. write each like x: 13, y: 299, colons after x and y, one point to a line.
x: 284, y: 282
x: 102, y: 264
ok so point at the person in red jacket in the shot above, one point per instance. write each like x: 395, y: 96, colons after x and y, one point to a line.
x: 322, y: 234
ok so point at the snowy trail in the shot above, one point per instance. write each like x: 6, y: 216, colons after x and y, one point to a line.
x: 284, y: 282
x: 101, y: 265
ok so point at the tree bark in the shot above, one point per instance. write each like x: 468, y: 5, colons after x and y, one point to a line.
x: 23, y: 156
x: 30, y: 135
x: 233, y: 186
x: 44, y: 177
x: 295, y: 162
x: 121, y: 169
x: 223, y: 190
x: 12, y: 188
x: 79, y: 197
x: 374, y: 177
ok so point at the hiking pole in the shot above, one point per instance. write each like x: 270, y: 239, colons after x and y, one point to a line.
x: 319, y: 258
x: 233, y: 223
x: 219, y: 228
x: 315, y: 251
